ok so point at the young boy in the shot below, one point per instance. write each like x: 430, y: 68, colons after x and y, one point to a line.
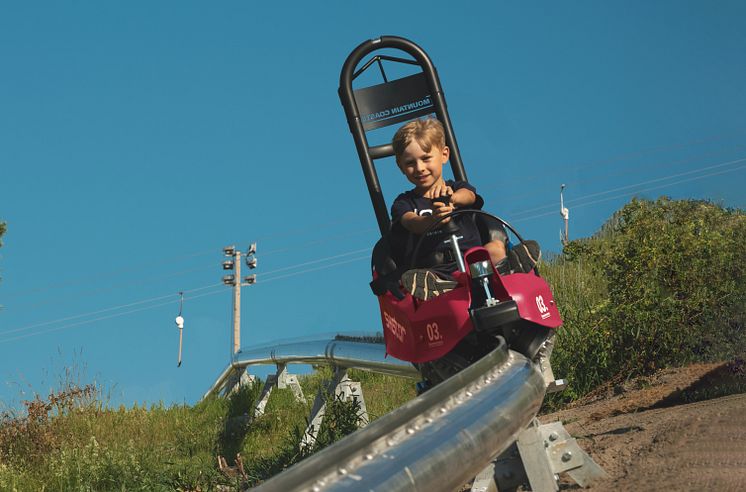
x: 421, y: 152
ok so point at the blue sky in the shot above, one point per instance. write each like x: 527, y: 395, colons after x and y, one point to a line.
x: 139, y: 138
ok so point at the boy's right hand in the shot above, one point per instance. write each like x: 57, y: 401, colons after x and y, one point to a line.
x: 440, y: 193
x: 441, y: 201
x: 442, y: 207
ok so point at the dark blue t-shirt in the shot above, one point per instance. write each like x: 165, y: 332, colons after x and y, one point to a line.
x: 432, y: 245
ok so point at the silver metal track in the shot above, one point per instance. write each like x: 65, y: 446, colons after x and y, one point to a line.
x: 323, y: 350
x: 436, y: 442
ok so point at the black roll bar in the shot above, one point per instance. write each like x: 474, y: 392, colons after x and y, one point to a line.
x: 366, y: 154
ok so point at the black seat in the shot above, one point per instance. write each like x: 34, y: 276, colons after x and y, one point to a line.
x: 388, y: 270
x: 490, y: 229
x: 392, y: 253
x: 389, y: 260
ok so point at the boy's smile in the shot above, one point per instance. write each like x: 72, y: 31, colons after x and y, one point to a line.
x: 423, y: 169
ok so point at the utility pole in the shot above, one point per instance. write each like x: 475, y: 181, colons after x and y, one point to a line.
x: 235, y: 280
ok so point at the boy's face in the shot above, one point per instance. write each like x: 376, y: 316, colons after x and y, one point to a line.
x: 423, y: 169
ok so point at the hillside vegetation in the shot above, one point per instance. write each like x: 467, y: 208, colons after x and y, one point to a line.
x: 662, y: 284
x: 72, y: 441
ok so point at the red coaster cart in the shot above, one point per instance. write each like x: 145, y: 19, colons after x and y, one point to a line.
x: 445, y: 334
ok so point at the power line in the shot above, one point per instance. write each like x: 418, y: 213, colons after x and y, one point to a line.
x: 292, y: 274
x: 633, y: 192
x: 144, y: 265
x: 353, y: 218
x: 105, y: 274
x: 323, y: 240
x: 71, y: 325
x: 587, y: 178
x: 735, y: 133
x: 98, y: 290
x: 176, y: 273
x: 598, y: 164
x: 84, y: 322
x: 366, y: 257
x: 262, y: 275
x: 114, y: 308
x: 740, y: 132
x: 642, y: 183
x: 78, y: 323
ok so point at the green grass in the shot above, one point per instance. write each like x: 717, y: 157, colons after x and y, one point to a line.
x: 81, y: 444
x: 582, y: 344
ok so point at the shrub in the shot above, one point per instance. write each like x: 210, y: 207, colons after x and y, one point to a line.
x: 666, y: 288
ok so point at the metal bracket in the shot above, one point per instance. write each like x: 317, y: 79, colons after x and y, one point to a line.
x: 556, y: 386
x: 341, y: 387
x: 281, y: 380
x: 545, y: 367
x: 565, y: 455
x: 287, y: 380
x: 238, y: 379
x: 537, y: 458
x: 485, y: 481
x: 536, y: 462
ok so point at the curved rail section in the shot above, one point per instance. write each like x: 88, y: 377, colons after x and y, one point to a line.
x: 328, y: 350
x: 459, y: 426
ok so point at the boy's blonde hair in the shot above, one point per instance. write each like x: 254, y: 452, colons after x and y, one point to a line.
x: 427, y: 132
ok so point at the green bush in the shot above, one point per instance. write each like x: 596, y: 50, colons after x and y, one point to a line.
x: 582, y: 348
x: 662, y: 285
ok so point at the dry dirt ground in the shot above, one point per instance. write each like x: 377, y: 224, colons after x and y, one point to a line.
x: 674, y: 431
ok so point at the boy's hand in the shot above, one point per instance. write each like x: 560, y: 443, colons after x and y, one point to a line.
x: 441, y: 209
x: 440, y: 191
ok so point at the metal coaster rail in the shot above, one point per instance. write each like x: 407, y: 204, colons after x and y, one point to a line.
x: 323, y: 350
x: 459, y: 425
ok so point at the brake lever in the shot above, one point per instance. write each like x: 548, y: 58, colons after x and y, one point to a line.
x: 444, y: 199
x: 450, y: 227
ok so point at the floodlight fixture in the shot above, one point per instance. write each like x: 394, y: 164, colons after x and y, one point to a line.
x: 228, y: 265
x: 251, y: 262
x: 250, y: 280
x: 252, y: 249
x: 229, y: 250
x: 229, y: 279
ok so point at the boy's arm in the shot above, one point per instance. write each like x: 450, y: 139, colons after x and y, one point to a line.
x: 463, y: 197
x: 402, y: 210
x: 417, y: 224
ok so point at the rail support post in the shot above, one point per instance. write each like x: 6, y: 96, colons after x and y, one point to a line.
x: 537, y: 458
x: 342, y: 388
x: 238, y: 379
x: 281, y: 380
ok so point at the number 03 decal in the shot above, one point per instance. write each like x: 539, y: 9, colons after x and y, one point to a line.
x: 433, y: 333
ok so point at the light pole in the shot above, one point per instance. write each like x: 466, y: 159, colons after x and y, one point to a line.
x: 180, y: 325
x: 565, y: 213
x: 235, y: 280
